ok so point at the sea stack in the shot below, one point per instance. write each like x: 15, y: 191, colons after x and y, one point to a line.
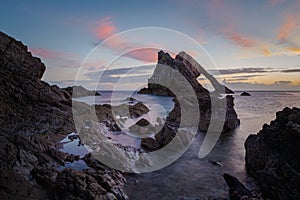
x: 166, y: 72
x: 191, y: 70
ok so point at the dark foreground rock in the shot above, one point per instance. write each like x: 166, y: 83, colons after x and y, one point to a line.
x: 166, y: 73
x: 245, y: 94
x: 237, y: 190
x: 272, y: 156
x: 27, y: 103
x: 34, y: 117
x: 79, y: 91
x: 96, y: 182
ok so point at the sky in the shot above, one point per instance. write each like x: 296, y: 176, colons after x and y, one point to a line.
x: 247, y: 45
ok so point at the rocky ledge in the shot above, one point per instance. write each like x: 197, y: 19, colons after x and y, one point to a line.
x: 272, y: 156
x: 34, y: 117
x: 181, y: 73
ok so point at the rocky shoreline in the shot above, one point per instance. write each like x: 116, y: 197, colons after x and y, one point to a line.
x: 34, y: 118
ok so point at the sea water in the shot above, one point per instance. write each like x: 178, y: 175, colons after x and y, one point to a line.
x: 190, y: 177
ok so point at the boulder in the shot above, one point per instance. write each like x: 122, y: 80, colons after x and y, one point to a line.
x: 105, y: 112
x: 272, y: 156
x: 245, y: 94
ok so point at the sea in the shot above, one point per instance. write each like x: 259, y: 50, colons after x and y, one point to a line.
x: 190, y: 177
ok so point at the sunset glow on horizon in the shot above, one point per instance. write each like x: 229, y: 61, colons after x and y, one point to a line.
x: 255, y: 45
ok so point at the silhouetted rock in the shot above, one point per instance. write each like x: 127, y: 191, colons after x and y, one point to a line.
x: 181, y: 73
x: 27, y: 103
x: 80, y: 91
x: 245, y: 94
x: 272, y: 156
x: 237, y: 190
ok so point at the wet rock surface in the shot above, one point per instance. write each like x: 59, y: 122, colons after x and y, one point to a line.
x: 109, y: 112
x: 96, y: 182
x: 34, y: 117
x: 272, y: 156
x: 190, y: 70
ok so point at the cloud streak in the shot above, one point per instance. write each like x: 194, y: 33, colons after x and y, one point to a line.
x: 291, y: 71
x: 240, y: 40
x: 106, y: 28
x: 129, y: 74
x: 286, y: 28
x: 50, y: 54
x: 295, y: 50
x: 246, y: 70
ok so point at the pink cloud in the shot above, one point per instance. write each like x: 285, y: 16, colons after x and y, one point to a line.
x: 237, y: 38
x: 286, y: 28
x: 105, y: 28
x: 49, y: 54
x: 147, y: 55
x: 240, y: 40
x: 266, y: 51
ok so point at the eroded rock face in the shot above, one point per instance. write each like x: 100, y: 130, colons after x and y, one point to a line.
x: 272, y: 156
x: 166, y: 71
x: 27, y: 103
x: 34, y: 116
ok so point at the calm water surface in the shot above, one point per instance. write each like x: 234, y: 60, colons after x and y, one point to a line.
x: 194, y: 178
x: 191, y: 177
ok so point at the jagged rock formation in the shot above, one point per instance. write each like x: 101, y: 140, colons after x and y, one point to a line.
x: 26, y: 101
x: 188, y: 67
x: 190, y: 70
x: 34, y: 116
x: 272, y: 156
x: 79, y: 91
